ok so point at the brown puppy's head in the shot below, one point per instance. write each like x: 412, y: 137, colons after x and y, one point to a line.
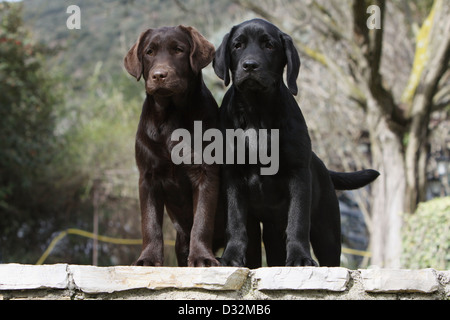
x: 168, y: 58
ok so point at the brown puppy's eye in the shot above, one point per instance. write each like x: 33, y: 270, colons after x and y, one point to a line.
x: 179, y: 50
x: 150, y: 52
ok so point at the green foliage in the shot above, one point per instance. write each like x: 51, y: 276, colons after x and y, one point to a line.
x: 26, y: 105
x: 426, y: 236
x: 29, y: 103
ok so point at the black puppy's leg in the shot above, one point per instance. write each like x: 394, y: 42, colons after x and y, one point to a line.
x: 275, y: 244
x: 326, y: 231
x: 152, y: 210
x: 254, y: 254
x: 299, y: 220
x: 236, y: 247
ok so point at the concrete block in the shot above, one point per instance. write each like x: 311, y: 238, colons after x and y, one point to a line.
x: 21, y: 277
x: 92, y: 279
x: 399, y: 280
x: 301, y: 278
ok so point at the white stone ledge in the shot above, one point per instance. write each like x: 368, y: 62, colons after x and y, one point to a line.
x: 308, y: 278
x: 383, y: 280
x: 23, y: 277
x: 63, y: 281
x: 110, y: 279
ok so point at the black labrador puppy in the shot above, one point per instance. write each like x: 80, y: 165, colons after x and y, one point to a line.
x: 297, y: 204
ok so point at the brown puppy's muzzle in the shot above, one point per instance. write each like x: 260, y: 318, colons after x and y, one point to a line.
x: 163, y: 81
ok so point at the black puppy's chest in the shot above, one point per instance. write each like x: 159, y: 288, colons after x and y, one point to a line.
x: 265, y: 194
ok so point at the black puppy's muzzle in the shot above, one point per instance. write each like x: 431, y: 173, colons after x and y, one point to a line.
x: 250, y: 76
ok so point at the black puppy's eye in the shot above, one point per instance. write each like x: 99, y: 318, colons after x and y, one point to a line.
x: 237, y: 45
x: 269, y: 45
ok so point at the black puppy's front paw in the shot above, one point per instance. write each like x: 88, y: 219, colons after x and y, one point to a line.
x: 224, y: 262
x: 298, y: 255
x: 232, y: 258
x: 301, y: 262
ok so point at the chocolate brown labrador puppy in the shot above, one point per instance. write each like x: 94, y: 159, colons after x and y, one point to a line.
x: 170, y: 60
x: 296, y: 204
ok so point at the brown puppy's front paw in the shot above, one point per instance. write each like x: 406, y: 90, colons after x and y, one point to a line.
x: 202, y: 261
x: 147, y: 263
x: 149, y: 260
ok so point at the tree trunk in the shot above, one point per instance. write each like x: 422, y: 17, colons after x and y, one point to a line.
x: 388, y: 191
x: 415, y: 161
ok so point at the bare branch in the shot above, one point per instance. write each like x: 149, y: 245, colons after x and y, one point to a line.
x: 327, y: 21
x: 437, y: 65
x: 181, y: 6
x: 255, y: 8
x: 441, y: 99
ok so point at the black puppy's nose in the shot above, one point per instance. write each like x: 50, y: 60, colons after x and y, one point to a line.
x: 159, y: 75
x: 250, y: 65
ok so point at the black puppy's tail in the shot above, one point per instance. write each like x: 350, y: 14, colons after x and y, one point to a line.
x: 353, y: 180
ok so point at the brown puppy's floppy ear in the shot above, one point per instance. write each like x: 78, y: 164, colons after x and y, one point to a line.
x: 133, y: 59
x: 202, y: 51
x: 293, y: 63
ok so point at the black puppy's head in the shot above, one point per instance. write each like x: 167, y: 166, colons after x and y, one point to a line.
x: 256, y: 53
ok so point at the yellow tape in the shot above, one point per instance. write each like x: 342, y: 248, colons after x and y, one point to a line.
x: 356, y: 252
x: 104, y: 238
x: 90, y: 235
x: 51, y: 246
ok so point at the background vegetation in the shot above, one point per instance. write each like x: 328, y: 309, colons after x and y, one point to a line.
x: 426, y: 236
x: 69, y: 111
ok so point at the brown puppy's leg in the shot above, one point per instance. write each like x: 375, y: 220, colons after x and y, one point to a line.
x: 152, y: 210
x: 205, y: 194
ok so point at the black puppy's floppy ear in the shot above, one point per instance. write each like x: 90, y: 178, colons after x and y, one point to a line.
x: 133, y: 59
x: 221, y: 62
x: 202, y: 51
x: 293, y: 63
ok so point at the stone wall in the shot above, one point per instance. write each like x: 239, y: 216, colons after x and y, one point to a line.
x: 63, y: 282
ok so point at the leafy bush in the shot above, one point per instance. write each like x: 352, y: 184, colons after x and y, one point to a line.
x: 426, y: 236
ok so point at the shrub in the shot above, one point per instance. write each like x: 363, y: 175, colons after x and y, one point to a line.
x: 426, y: 236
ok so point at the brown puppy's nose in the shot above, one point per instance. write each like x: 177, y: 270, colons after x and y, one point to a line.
x: 159, y: 75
